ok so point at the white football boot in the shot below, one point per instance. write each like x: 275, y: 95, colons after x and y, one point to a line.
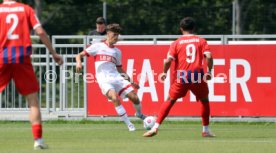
x: 39, y: 144
x: 131, y: 127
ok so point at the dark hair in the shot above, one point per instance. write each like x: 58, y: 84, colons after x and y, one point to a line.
x: 114, y: 27
x: 100, y: 20
x: 187, y: 24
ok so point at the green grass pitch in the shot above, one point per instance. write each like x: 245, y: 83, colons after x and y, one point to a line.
x: 113, y: 137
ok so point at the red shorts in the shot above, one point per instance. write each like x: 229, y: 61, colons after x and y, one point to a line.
x: 23, y: 76
x: 178, y: 90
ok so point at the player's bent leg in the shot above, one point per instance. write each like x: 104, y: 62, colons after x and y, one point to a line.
x: 122, y: 113
x: 205, y: 111
x: 163, y: 113
x: 133, y: 97
x: 137, y: 104
x: 164, y: 110
x: 205, y: 114
x: 35, y: 115
x: 35, y: 119
x: 112, y: 95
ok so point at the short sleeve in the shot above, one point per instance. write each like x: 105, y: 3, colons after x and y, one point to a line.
x: 91, y: 50
x: 34, y: 21
x: 119, y: 58
x: 172, y: 51
x: 205, y: 47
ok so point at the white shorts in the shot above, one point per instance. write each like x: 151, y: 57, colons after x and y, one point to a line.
x: 122, y: 87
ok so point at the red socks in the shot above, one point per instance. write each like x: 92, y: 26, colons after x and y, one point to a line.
x: 205, y: 113
x: 164, y: 111
x: 37, y: 131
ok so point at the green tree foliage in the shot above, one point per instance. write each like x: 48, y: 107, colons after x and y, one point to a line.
x: 156, y: 17
x: 258, y: 16
x: 70, y: 16
x: 162, y: 17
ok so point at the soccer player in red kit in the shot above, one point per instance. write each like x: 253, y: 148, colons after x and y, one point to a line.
x: 16, y: 21
x: 188, y: 53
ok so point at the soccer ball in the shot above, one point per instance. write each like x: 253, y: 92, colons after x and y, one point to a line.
x: 149, y: 122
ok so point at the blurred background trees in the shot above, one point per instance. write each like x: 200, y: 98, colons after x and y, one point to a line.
x: 157, y: 17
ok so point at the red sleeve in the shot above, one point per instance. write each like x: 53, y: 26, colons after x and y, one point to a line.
x: 34, y: 21
x: 173, y: 51
x: 205, y: 46
x: 86, y: 53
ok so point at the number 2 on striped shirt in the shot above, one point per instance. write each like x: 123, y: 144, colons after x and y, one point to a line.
x: 12, y: 18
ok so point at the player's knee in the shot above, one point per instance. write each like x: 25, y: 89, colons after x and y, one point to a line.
x: 204, y: 99
x: 32, y: 100
x: 114, y: 98
x: 134, y: 98
x: 172, y: 100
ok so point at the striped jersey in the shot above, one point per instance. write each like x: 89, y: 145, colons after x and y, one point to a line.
x: 16, y: 22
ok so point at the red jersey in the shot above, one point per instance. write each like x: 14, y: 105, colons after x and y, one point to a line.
x: 188, y: 52
x: 16, y: 22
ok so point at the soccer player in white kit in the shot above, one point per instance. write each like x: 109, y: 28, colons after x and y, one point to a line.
x: 109, y: 74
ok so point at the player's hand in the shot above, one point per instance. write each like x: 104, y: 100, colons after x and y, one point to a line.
x: 163, y: 76
x: 208, y: 75
x: 78, y: 67
x: 135, y: 85
x: 58, y: 59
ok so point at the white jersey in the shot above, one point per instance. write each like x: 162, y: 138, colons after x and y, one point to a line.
x: 106, y: 61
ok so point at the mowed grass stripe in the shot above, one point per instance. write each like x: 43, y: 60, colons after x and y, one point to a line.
x: 114, y: 137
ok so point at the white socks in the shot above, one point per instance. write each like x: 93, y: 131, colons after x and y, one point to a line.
x: 156, y: 126
x: 39, y: 141
x: 205, y: 128
x: 122, y: 112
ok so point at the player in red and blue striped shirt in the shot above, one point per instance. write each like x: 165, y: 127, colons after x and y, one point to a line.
x: 16, y: 22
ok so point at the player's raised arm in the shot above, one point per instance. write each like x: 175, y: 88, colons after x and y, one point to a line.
x: 44, y: 38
